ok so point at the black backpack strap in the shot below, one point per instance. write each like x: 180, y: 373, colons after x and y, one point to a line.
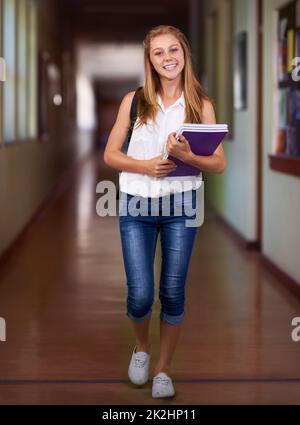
x: 133, y: 118
x: 133, y: 110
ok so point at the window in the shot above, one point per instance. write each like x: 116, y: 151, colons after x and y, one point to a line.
x: 1, y: 83
x: 32, y: 70
x: 9, y: 51
x: 18, y: 95
x: 22, y: 71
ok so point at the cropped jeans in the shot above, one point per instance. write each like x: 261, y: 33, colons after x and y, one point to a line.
x: 139, y: 235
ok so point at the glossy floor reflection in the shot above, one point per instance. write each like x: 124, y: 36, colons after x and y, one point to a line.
x: 63, y: 295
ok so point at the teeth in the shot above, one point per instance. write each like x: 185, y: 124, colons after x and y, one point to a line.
x: 170, y: 66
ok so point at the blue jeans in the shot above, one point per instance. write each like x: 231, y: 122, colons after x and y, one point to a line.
x: 139, y: 237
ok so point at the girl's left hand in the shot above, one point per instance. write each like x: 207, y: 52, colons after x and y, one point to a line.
x: 180, y: 150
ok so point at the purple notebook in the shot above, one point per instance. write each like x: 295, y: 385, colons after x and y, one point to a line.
x: 201, y: 143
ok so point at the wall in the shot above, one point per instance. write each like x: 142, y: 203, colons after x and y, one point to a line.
x: 30, y: 169
x: 233, y: 193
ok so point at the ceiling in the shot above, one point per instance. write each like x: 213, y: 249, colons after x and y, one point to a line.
x: 122, y: 20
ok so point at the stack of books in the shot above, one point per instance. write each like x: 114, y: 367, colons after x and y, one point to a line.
x: 203, y: 140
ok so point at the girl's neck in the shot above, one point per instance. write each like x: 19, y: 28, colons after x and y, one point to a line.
x: 170, y: 90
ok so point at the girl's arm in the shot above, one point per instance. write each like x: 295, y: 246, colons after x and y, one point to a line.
x: 113, y: 156
x: 215, y: 163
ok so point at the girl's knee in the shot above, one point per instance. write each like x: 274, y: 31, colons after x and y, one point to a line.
x: 172, y: 305
x: 172, y: 319
x: 139, y: 308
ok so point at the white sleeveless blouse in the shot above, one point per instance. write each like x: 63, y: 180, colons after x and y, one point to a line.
x: 149, y: 141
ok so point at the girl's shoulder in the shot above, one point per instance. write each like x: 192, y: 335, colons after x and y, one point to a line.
x: 208, y: 104
x: 128, y: 97
x: 208, y: 112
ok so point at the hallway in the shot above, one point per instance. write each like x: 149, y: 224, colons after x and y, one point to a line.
x: 65, y: 66
x: 63, y: 292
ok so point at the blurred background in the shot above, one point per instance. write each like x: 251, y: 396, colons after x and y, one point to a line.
x: 66, y: 65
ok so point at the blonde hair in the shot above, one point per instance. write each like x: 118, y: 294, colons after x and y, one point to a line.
x: 193, y: 92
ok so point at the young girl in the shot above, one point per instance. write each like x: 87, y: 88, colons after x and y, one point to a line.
x: 171, y: 95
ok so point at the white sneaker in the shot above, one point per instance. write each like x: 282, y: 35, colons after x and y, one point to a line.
x: 162, y: 386
x: 139, y: 367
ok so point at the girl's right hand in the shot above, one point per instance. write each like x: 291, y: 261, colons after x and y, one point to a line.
x: 158, y: 167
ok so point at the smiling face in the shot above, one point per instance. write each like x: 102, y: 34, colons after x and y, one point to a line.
x: 167, y: 56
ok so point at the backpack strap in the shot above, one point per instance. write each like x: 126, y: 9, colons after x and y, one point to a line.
x: 133, y: 118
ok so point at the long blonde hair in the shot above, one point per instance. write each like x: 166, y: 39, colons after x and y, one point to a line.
x: 193, y: 92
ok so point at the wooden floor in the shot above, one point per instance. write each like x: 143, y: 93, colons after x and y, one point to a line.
x: 63, y: 293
